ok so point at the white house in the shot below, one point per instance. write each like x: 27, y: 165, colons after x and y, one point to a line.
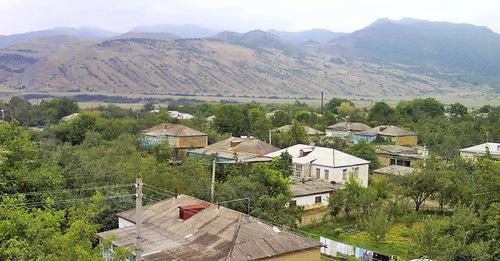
x: 325, y: 163
x: 474, y: 152
x: 312, y: 193
x: 180, y: 115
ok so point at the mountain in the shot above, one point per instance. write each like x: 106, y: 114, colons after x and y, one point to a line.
x: 146, y: 35
x: 84, y: 33
x: 202, y: 66
x: 258, y: 39
x: 454, y: 51
x: 316, y: 35
x: 183, y: 31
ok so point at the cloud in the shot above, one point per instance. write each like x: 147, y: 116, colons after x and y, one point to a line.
x: 339, y: 15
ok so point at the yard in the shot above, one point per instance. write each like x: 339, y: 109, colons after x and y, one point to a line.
x: 397, y: 241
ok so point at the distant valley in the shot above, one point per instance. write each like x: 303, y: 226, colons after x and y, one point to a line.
x: 386, y: 59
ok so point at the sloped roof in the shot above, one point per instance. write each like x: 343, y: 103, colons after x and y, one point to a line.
x: 349, y: 126
x: 169, y: 129
x: 309, y: 131
x: 241, y: 145
x: 301, y: 187
x: 415, y: 152
x: 214, y: 233
x: 395, y: 170
x: 70, y: 117
x: 388, y: 130
x: 493, y: 147
x: 319, y: 156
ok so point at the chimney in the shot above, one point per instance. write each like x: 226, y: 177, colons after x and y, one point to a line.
x: 186, y: 212
x: 234, y: 143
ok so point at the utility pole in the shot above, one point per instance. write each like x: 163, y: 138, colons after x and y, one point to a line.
x: 213, y: 179
x: 138, y: 220
x: 270, y: 134
x: 321, y: 102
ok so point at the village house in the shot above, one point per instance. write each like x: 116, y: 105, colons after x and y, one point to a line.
x: 325, y: 164
x: 180, y: 138
x: 481, y: 150
x: 312, y: 193
x: 180, y: 115
x: 397, y: 135
x: 187, y: 228
x: 236, y: 149
x: 400, y: 155
x: 345, y: 129
x: 309, y: 130
x: 396, y: 170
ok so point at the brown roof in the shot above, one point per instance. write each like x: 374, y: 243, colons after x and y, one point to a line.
x: 388, y: 130
x: 349, y: 126
x: 214, y: 233
x: 310, y: 131
x: 312, y: 186
x: 242, y: 145
x: 169, y: 129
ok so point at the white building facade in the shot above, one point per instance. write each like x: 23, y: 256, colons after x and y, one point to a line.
x: 326, y: 164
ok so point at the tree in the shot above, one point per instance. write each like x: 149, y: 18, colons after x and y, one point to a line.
x: 457, y: 110
x: 365, y: 151
x: 429, y: 239
x: 420, y: 184
x: 332, y: 105
x: 230, y: 119
x: 259, y: 123
x: 381, y: 113
x: 377, y: 224
x: 280, y: 118
x: 345, y: 109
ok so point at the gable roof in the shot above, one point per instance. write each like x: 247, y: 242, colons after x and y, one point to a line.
x: 309, y: 131
x: 214, y: 233
x: 319, y: 156
x: 169, y: 129
x: 302, y: 187
x: 349, y: 126
x: 493, y: 147
x: 388, y: 130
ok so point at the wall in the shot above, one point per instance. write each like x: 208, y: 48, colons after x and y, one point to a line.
x: 336, y: 174
x: 124, y: 223
x: 406, y: 140
x: 192, y: 142
x: 339, y: 134
x: 312, y: 255
x: 308, y: 201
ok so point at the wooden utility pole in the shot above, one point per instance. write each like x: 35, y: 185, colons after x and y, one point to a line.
x: 138, y: 220
x: 270, y: 136
x: 213, y: 180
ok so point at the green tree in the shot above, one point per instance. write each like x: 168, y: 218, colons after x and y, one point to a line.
x: 381, y: 113
x: 365, y: 151
x: 377, y: 224
x: 457, y: 110
x: 332, y: 105
x: 420, y: 184
x: 429, y: 239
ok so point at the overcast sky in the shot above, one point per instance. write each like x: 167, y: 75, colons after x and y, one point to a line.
x: 17, y: 16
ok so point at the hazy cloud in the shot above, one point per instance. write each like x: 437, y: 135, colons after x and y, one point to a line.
x: 18, y: 16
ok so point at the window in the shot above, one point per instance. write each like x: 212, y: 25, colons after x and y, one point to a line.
x: 317, y: 199
x: 393, y: 162
x: 406, y: 163
x: 327, y: 174
x: 344, y: 174
x: 293, y: 203
x: 298, y: 170
x: 318, y: 173
x: 355, y: 172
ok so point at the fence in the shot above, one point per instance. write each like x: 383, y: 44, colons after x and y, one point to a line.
x: 339, y: 249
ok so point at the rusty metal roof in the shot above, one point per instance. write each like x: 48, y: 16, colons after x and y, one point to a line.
x: 214, y: 233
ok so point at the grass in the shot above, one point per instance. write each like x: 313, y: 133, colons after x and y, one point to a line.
x: 397, y: 241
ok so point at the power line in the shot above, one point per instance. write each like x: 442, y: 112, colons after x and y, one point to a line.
x: 42, y: 203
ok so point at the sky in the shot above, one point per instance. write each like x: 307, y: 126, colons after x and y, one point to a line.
x: 18, y: 16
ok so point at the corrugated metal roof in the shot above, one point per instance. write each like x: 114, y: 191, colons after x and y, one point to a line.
x: 388, y: 130
x: 493, y: 147
x: 214, y: 233
x: 349, y: 126
x: 395, y: 170
x: 309, y: 130
x: 169, y: 129
x: 302, y: 187
x: 319, y: 156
